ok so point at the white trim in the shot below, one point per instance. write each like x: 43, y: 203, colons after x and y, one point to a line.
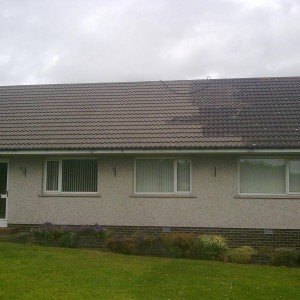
x: 175, y: 191
x: 59, y: 191
x: 153, y: 151
x: 288, y: 177
x: 286, y: 164
x: 3, y: 222
x: 175, y: 173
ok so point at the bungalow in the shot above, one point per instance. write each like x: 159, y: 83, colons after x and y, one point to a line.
x: 215, y: 156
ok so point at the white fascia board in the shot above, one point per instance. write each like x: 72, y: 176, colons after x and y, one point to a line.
x: 156, y: 151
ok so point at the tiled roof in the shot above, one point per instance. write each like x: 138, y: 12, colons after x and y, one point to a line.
x: 221, y: 113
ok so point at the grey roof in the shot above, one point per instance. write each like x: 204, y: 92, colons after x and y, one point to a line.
x: 221, y: 113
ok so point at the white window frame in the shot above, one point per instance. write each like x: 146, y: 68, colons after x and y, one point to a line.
x: 175, y: 191
x: 286, y: 163
x: 59, y: 191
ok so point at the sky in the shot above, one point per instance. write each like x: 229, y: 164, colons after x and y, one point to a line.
x: 135, y: 40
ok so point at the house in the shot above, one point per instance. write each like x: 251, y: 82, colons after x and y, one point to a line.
x: 212, y: 156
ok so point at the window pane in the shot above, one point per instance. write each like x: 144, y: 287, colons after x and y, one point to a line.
x: 262, y: 176
x: 52, y: 176
x: 183, y: 176
x: 294, y: 176
x: 155, y: 175
x: 2, y: 208
x: 79, y: 175
x: 3, y: 178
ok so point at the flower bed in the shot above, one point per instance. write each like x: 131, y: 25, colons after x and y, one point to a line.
x: 181, y: 245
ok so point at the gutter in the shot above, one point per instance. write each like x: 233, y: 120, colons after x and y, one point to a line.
x: 152, y: 151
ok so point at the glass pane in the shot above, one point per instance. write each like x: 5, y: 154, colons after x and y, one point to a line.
x: 2, y: 208
x: 3, y: 178
x: 265, y: 176
x: 155, y: 176
x: 79, y: 175
x: 183, y: 176
x: 52, y: 176
x: 294, y: 176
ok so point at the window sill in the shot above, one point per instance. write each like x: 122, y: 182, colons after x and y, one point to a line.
x: 162, y: 196
x: 70, y: 195
x: 267, y: 197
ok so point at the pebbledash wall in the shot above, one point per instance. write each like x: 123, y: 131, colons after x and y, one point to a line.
x: 213, y: 207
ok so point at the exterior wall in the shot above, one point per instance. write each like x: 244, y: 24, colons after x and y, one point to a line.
x: 214, y: 204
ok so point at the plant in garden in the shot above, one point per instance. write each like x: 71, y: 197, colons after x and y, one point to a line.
x: 285, y: 257
x: 242, y: 255
x: 69, y: 240
x: 100, y: 232
x: 177, y: 244
x: 136, y: 244
x: 47, y: 232
x: 212, y: 247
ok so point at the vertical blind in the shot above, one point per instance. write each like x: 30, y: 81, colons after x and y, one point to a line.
x: 79, y: 175
x: 183, y: 175
x: 52, y: 176
x: 294, y: 176
x: 154, y: 175
x: 76, y: 175
x: 262, y: 176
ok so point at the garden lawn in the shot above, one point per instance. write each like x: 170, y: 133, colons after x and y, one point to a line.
x: 35, y: 272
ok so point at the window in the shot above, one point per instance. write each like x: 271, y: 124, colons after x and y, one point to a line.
x: 269, y: 176
x: 294, y: 176
x: 162, y: 176
x: 71, y: 176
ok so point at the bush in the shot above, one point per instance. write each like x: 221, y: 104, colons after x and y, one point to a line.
x: 177, y: 244
x: 69, y: 240
x: 285, y: 257
x: 137, y: 244
x: 211, y: 247
x: 242, y: 255
x: 47, y: 232
x: 120, y: 245
x: 141, y: 243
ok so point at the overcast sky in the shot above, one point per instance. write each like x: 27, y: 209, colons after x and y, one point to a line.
x: 94, y: 41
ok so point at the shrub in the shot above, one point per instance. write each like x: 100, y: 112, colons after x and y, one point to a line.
x: 47, y: 235
x: 137, y: 244
x: 141, y: 243
x: 285, y: 257
x: 119, y: 245
x: 100, y: 232
x: 47, y: 232
x: 242, y: 255
x: 212, y: 247
x: 69, y: 240
x: 177, y: 244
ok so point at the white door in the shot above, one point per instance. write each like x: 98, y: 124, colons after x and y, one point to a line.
x: 3, y: 193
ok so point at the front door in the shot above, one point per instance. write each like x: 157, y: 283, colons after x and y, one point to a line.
x: 3, y: 192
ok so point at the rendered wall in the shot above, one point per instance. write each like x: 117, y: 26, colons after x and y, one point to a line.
x: 214, y: 204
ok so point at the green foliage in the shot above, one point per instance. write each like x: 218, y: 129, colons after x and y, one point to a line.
x: 69, y: 240
x: 241, y: 255
x: 119, y: 245
x: 285, y: 257
x: 47, y: 235
x: 211, y: 247
x: 177, y: 244
x: 102, y: 235
x: 136, y: 244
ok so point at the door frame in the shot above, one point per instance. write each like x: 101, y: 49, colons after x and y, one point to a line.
x: 3, y: 222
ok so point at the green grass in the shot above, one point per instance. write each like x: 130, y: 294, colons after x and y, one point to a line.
x: 35, y: 272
